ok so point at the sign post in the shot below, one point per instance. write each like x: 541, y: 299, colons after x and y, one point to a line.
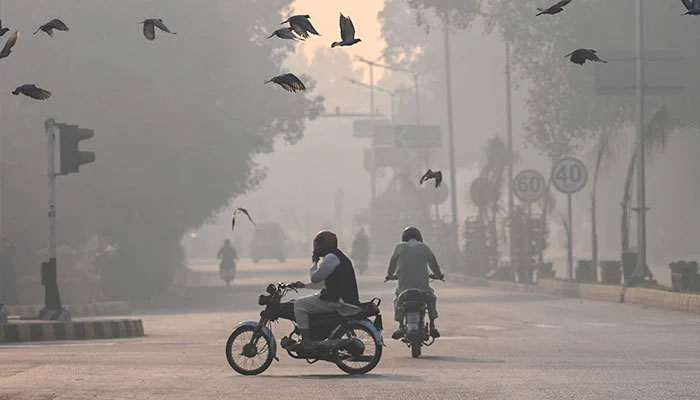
x: 528, y: 186
x: 569, y: 175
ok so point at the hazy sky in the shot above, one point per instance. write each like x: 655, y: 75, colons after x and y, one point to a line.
x: 324, y: 16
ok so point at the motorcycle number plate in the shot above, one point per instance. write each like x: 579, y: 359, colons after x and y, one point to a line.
x: 412, y: 318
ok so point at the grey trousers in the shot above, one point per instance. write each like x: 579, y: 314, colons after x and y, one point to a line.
x: 431, y: 302
x: 306, y: 306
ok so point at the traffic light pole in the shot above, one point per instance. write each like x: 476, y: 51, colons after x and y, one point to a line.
x: 53, y: 309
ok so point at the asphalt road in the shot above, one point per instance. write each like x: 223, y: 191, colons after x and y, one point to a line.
x: 495, y: 345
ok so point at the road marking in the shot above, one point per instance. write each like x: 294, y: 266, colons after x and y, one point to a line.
x: 441, y: 338
x: 546, y: 326
x: 488, y: 327
x: 657, y: 323
x: 600, y: 324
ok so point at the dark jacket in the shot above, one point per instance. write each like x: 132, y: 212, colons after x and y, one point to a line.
x: 341, y: 284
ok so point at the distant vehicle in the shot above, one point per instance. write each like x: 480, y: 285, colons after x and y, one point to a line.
x: 268, y: 242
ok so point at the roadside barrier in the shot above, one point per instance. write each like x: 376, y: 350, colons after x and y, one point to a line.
x: 22, y: 331
x: 686, y: 302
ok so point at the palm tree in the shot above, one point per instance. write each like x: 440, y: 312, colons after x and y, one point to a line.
x: 655, y: 137
x: 603, y: 152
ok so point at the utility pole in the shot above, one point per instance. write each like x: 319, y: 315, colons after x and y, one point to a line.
x: 450, y: 132
x: 53, y: 309
x: 509, y: 119
x: 373, y: 173
x: 640, y: 269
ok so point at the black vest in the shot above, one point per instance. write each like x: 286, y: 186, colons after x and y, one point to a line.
x: 341, y: 284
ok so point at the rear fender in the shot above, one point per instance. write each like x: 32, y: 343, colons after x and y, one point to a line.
x: 266, y: 332
x: 369, y: 325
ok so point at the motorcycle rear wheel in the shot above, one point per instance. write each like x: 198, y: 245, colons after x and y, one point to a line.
x: 369, y: 358
x: 416, y: 348
x: 243, y: 364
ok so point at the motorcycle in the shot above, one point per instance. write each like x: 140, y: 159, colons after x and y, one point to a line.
x: 354, y: 343
x: 415, y: 306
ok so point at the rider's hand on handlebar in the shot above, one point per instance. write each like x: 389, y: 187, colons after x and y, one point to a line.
x: 298, y: 285
x: 440, y: 277
x: 389, y: 278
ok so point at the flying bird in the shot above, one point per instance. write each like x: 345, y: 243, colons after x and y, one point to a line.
x: 555, y: 9
x: 285, y: 33
x: 580, y: 56
x: 3, y: 30
x: 30, y: 90
x: 693, y: 7
x: 238, y: 211
x: 289, y: 82
x: 430, y: 174
x: 301, y: 25
x: 149, y: 26
x: 7, y: 49
x: 347, y: 32
x: 51, y: 25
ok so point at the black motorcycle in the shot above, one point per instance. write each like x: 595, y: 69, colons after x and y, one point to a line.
x: 353, y: 343
x: 415, y: 306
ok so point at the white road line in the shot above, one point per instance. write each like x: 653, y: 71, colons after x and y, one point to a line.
x: 546, y: 326
x: 441, y: 338
x: 488, y: 327
x: 600, y: 324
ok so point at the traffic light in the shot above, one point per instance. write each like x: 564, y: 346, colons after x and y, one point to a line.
x: 71, y: 158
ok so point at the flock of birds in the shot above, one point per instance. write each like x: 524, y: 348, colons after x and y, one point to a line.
x: 37, y: 93
x: 300, y: 28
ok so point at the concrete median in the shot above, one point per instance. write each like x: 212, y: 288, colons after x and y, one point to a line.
x: 686, y: 302
x: 31, y: 331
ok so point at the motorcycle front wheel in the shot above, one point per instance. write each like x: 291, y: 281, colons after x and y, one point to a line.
x: 365, y: 362
x: 245, y: 356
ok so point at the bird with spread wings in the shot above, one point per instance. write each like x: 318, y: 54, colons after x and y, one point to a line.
x: 288, y: 82
x: 555, y: 9
x: 430, y: 174
x: 301, y: 25
x: 150, y: 25
x: 347, y: 33
x: 237, y: 211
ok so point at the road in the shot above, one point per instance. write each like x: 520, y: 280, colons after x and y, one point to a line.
x: 496, y: 345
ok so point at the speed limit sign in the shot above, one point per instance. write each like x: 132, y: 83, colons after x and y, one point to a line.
x: 528, y: 186
x: 569, y: 175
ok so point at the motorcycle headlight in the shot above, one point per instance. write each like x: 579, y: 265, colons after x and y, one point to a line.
x: 263, y: 299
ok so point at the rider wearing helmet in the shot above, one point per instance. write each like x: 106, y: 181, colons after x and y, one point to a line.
x: 227, y: 267
x: 333, y: 272
x: 409, y: 264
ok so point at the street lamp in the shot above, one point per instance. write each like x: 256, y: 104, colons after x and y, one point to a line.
x: 391, y: 93
x: 417, y: 76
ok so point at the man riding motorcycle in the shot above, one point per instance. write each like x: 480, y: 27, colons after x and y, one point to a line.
x: 409, y: 264
x: 360, y: 250
x: 333, y: 271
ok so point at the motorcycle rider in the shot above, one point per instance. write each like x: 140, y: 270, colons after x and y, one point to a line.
x: 333, y: 271
x: 227, y: 267
x: 409, y: 264
x: 360, y: 250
